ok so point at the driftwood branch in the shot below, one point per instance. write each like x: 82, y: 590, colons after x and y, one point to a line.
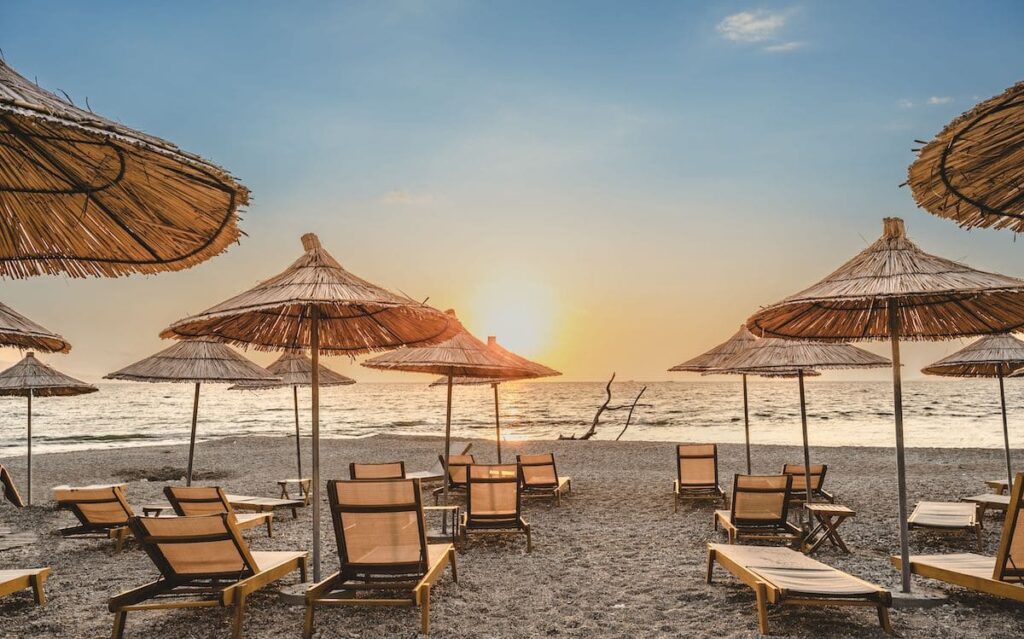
x: 607, y: 406
x: 630, y: 416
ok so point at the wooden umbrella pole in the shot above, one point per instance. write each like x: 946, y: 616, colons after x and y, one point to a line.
x: 901, y: 462
x: 28, y: 473
x: 314, y: 344
x: 807, y: 451
x: 497, y: 422
x: 746, y: 421
x: 1006, y: 431
x: 447, y: 439
x: 192, y: 437
x: 298, y: 435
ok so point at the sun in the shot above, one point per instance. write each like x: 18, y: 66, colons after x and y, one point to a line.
x: 519, y: 312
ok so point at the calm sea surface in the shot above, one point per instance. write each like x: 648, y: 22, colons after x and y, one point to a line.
x: 956, y: 413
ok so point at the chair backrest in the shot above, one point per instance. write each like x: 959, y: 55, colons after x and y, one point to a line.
x: 493, y: 494
x: 697, y: 465
x: 388, y: 470
x: 196, y: 501
x: 437, y: 470
x: 760, y: 500
x: 186, y: 549
x: 538, y: 471
x: 379, y: 525
x: 96, y: 506
x: 800, y: 482
x: 1010, y: 558
x: 9, y: 489
x: 457, y: 465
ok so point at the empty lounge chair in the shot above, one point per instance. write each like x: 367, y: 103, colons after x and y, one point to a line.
x: 195, y: 501
x: 436, y: 472
x: 389, y: 470
x: 946, y: 517
x: 15, y: 580
x: 10, y: 491
x: 493, y: 502
x: 759, y: 511
x: 100, y: 510
x: 697, y: 474
x: 540, y: 478
x: 457, y: 465
x: 799, y: 491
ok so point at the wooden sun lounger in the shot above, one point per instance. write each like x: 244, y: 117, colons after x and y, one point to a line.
x: 494, y: 502
x: 386, y: 470
x: 10, y: 491
x: 539, y: 477
x: 1001, y: 576
x: 986, y: 502
x: 436, y: 472
x: 101, y: 510
x: 798, y: 493
x: 786, y: 577
x: 382, y: 548
x: 697, y: 474
x: 946, y: 517
x: 760, y: 510
x: 196, y: 501
x: 15, y: 580
x: 457, y: 474
x: 204, y: 563
x: 265, y: 504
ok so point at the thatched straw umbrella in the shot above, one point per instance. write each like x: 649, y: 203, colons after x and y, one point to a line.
x: 789, y: 355
x: 537, y: 371
x: 712, y: 361
x: 194, y: 361
x: 18, y: 330
x: 84, y: 195
x: 29, y: 378
x: 893, y: 290
x: 317, y: 304
x: 973, y: 171
x: 295, y: 369
x: 991, y: 356
x: 461, y: 356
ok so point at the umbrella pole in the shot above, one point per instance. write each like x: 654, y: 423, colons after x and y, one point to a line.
x: 746, y: 420
x: 192, y: 438
x: 1006, y: 431
x: 314, y: 341
x: 901, y: 462
x: 298, y: 436
x: 28, y: 474
x: 447, y: 439
x: 497, y: 422
x: 807, y: 451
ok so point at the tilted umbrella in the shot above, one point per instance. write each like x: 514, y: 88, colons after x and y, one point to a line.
x: 317, y: 304
x: 18, y: 330
x: 537, y: 371
x: 194, y: 361
x: 991, y: 356
x: 712, y: 361
x: 461, y: 356
x: 893, y: 290
x: 83, y: 195
x: 973, y: 171
x: 295, y: 369
x: 29, y: 378
x: 788, y: 355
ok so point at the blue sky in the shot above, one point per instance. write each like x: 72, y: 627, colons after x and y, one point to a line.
x: 632, y: 180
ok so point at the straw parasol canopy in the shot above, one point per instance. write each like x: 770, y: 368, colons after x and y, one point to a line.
x: 537, y: 371
x: 996, y: 356
x: 18, y: 330
x: 295, y: 369
x: 893, y: 290
x: 32, y: 378
x: 83, y: 195
x: 973, y: 171
x: 195, y: 361
x: 317, y: 304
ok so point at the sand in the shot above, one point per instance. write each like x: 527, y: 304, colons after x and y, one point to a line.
x: 612, y: 561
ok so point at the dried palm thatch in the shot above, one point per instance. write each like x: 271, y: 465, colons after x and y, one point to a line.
x: 711, y: 362
x: 84, y: 195
x: 294, y: 368
x: 991, y: 356
x: 18, y: 330
x: 355, y: 316
x: 536, y: 370
x: 767, y: 354
x: 195, y: 360
x: 932, y: 297
x: 973, y: 171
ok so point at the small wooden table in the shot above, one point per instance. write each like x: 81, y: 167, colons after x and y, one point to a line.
x: 446, y: 534
x: 155, y: 510
x: 995, y: 501
x: 829, y: 517
x: 998, y: 486
x: 265, y: 504
x: 305, y: 486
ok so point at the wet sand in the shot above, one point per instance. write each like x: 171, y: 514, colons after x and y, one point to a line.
x: 612, y: 561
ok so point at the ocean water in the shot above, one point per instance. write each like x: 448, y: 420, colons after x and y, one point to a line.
x: 945, y: 413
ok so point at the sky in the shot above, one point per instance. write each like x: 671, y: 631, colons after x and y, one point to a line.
x: 604, y: 186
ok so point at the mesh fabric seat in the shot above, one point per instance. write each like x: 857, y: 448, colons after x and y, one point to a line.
x: 798, y: 492
x: 10, y: 491
x: 493, y: 502
x: 100, y: 510
x: 697, y: 474
x: 539, y: 476
x: 759, y: 511
x: 457, y: 472
x: 196, y: 501
x: 947, y: 517
x: 388, y: 470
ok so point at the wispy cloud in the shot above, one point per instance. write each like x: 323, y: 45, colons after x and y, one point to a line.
x: 400, y: 197
x: 904, y: 103
x: 784, y: 47
x: 759, y: 26
x: 940, y: 99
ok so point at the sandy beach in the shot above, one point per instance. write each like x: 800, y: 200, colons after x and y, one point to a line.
x: 612, y: 561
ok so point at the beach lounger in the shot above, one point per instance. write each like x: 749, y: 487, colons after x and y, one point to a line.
x: 100, y: 510
x: 540, y: 478
x: 388, y: 470
x: 998, y: 486
x: 946, y: 517
x: 1001, y: 576
x: 16, y: 580
x: 265, y: 504
x: 10, y: 491
x: 457, y: 465
x: 799, y: 491
x: 786, y: 577
x: 988, y: 501
x: 759, y: 511
x: 493, y: 502
x: 204, y: 563
x: 436, y: 472
x: 697, y: 474
x: 383, y: 550
x: 196, y: 501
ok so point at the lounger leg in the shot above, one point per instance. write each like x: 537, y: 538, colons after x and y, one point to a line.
x: 977, y: 532
x: 425, y: 610
x: 119, y: 620
x: 762, y: 607
x: 120, y: 537
x: 37, y: 590
x: 270, y: 526
x: 237, y: 616
x: 307, y: 624
x: 711, y: 564
x: 529, y: 539
x: 883, y: 618
x: 455, y: 568
x: 304, y: 569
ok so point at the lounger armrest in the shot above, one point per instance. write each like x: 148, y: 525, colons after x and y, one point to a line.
x: 135, y: 595
x: 317, y: 590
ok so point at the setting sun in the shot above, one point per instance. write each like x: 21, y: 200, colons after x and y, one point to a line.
x: 519, y: 311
